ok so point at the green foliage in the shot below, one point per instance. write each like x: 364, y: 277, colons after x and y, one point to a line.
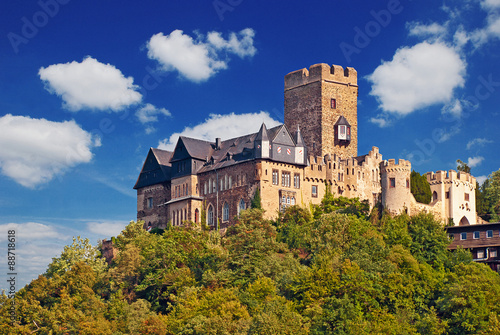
x: 420, y: 188
x: 79, y: 251
x: 332, y: 272
x: 492, y: 196
x: 256, y: 200
x: 462, y: 166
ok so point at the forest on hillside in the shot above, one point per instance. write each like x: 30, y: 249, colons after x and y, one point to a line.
x: 329, y: 269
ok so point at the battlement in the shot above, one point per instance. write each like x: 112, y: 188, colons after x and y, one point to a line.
x: 449, y: 176
x: 319, y: 72
x: 402, y: 164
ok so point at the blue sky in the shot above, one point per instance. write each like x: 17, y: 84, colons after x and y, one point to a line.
x: 87, y: 87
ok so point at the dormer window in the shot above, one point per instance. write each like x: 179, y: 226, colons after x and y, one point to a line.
x: 343, y: 130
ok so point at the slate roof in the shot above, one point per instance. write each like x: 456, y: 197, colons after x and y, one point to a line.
x: 342, y: 121
x: 155, y: 172
x: 230, y: 152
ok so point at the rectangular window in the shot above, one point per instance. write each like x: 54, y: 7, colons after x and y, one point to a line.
x: 314, y: 191
x: 463, y: 236
x: 407, y: 183
x: 476, y: 235
x: 285, y: 179
x: 392, y: 182
x: 466, y: 196
x: 493, y: 253
x: 275, y: 177
x: 451, y: 236
x: 150, y: 202
x: 480, y: 254
x: 489, y: 233
x: 296, y: 180
x: 333, y: 103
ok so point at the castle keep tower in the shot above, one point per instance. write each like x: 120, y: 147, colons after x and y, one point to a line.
x: 323, y: 102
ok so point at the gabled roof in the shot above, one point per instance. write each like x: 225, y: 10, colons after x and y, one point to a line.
x: 156, y: 168
x: 281, y: 135
x: 195, y: 148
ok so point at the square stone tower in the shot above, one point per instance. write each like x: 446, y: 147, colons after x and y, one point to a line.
x: 315, y: 100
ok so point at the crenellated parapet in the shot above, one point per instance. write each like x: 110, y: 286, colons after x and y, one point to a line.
x: 450, y: 177
x: 319, y: 72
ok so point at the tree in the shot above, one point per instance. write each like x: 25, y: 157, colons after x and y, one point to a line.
x: 420, y: 188
x: 492, y: 196
x: 79, y: 251
x: 256, y: 201
x: 462, y: 166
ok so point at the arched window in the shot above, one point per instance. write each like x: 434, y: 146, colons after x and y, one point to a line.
x: 210, y: 215
x: 230, y: 182
x: 241, y: 205
x: 225, y: 212
x: 205, y: 189
x: 196, y: 215
x: 464, y: 222
x: 434, y: 196
x: 293, y: 200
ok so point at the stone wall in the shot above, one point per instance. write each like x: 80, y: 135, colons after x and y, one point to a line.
x: 308, y: 104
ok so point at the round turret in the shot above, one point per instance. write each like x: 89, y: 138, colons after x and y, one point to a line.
x: 395, y: 182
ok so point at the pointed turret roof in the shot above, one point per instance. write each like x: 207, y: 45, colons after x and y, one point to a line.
x: 299, y: 141
x: 262, y: 134
x: 342, y: 121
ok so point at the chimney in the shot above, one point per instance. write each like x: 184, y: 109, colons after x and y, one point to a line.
x: 217, y: 143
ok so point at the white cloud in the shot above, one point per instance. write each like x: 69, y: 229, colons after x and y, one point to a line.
x: 381, y: 121
x: 223, y: 126
x: 489, y: 4
x: 422, y: 30
x: 474, y: 161
x: 33, y: 151
x: 453, y: 107
x: 240, y: 43
x: 417, y: 77
x: 90, y: 84
x: 149, y: 113
x: 198, y: 60
x: 477, y: 142
x: 481, y: 179
x: 492, y: 28
x: 106, y: 229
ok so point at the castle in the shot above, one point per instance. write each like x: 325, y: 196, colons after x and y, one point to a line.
x: 291, y: 164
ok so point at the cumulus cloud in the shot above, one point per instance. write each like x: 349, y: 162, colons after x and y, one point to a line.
x: 477, y: 142
x: 199, y: 59
x: 224, y: 126
x: 474, y: 161
x: 417, y: 77
x: 148, y: 114
x: 90, y: 84
x: 33, y: 151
